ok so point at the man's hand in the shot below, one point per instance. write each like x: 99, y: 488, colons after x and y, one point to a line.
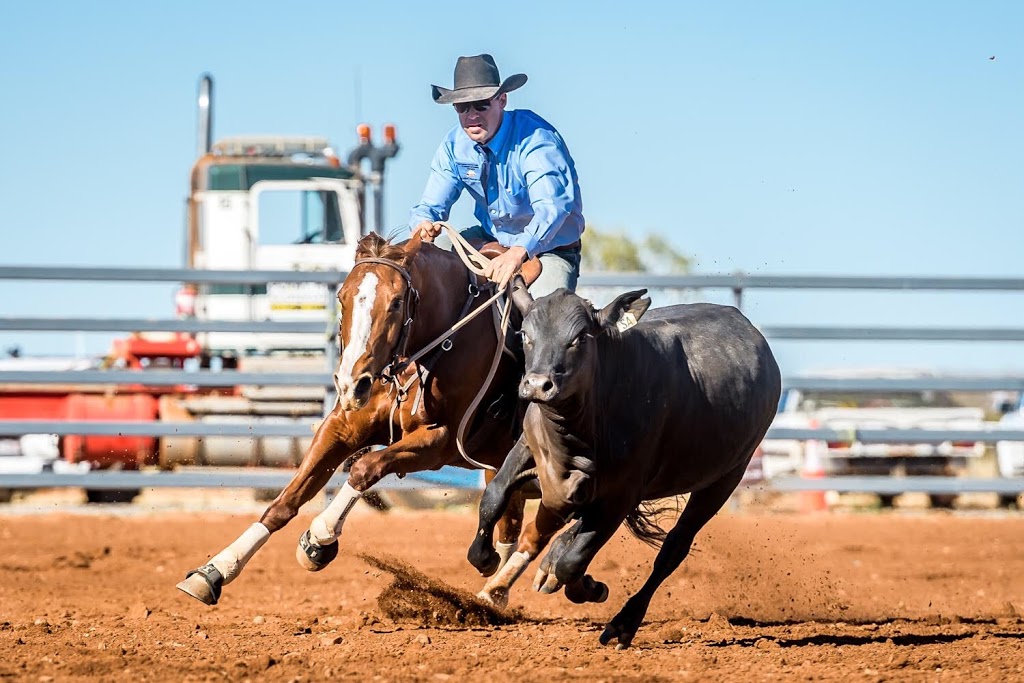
x: 504, y: 267
x: 427, y: 231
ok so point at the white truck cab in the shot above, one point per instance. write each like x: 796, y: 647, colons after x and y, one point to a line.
x: 273, y: 202
x: 270, y: 204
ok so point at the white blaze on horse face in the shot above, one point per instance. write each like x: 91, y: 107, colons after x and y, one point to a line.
x: 360, y: 323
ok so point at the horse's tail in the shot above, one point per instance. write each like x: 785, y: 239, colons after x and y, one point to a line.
x: 643, y: 521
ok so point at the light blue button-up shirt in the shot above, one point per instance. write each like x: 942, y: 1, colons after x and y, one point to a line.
x: 528, y: 196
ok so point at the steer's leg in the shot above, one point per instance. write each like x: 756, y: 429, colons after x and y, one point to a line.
x: 536, y: 536
x: 335, y: 439
x: 499, y: 503
x: 421, y: 449
x: 566, y: 563
x: 545, y: 581
x: 702, y: 506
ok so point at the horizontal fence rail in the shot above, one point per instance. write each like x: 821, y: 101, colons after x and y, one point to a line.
x: 209, y: 277
x: 230, y: 378
x: 904, y: 384
x: 821, y: 333
x: 261, y: 429
x: 897, y: 485
x: 740, y: 281
x: 220, y: 478
x: 166, y: 378
x: 9, y: 324
x: 734, y: 281
x: 790, y: 332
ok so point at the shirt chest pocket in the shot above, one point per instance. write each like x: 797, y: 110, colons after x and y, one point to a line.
x: 515, y: 199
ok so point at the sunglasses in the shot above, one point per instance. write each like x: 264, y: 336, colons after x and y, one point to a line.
x: 479, y: 105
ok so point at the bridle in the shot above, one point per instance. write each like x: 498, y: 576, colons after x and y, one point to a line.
x: 410, y: 302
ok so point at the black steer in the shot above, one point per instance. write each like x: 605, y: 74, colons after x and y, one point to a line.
x: 676, y: 404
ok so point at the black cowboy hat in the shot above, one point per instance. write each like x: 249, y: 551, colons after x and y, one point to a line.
x: 476, y: 78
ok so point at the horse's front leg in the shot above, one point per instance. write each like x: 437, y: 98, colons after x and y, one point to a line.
x: 535, y: 538
x: 335, y: 439
x: 420, y: 449
x: 501, y: 505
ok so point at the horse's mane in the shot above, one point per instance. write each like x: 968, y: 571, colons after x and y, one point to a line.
x: 375, y: 246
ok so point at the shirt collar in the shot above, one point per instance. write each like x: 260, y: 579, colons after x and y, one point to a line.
x: 496, y: 143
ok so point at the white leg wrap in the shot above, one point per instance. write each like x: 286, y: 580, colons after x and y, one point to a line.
x: 230, y: 561
x: 504, y: 551
x: 508, y: 574
x: 326, y: 527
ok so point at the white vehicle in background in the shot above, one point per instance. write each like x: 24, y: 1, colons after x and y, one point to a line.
x: 847, y: 411
x: 1010, y: 454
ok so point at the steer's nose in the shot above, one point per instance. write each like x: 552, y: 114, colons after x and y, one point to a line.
x: 537, y: 387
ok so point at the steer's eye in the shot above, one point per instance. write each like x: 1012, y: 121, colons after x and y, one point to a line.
x: 524, y: 337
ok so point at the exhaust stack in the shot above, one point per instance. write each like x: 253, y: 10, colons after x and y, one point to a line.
x: 205, y: 134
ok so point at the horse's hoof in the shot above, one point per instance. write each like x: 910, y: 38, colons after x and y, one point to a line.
x: 203, y: 584
x: 313, y: 557
x: 497, y: 598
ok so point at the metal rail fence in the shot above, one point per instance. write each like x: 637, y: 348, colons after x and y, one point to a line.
x: 736, y: 283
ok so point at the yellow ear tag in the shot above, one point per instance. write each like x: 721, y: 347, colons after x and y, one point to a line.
x: 627, y: 321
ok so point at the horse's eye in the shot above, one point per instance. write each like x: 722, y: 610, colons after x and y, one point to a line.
x: 396, y: 305
x: 523, y: 336
x: 577, y: 341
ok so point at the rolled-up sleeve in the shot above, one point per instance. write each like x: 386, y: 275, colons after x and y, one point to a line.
x: 443, y: 188
x: 548, y: 176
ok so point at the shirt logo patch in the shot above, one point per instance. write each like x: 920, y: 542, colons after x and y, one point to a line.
x: 471, y: 173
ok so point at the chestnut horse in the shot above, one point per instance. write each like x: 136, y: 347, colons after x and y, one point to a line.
x: 396, y: 300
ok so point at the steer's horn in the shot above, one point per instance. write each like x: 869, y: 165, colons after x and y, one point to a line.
x: 520, y: 296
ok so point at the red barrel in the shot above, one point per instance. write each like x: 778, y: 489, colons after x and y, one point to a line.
x: 104, y: 451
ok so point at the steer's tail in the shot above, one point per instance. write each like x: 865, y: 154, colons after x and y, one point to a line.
x: 643, y: 521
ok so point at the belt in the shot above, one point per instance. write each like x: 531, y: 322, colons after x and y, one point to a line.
x: 575, y: 246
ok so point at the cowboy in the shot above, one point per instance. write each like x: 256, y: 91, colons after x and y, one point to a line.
x: 517, y: 168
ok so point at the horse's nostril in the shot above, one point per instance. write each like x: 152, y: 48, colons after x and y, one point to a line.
x: 547, y: 386
x: 363, y: 385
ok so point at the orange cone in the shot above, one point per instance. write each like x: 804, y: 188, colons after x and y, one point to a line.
x: 814, y: 468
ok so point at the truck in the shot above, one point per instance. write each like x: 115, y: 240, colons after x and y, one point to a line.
x: 847, y: 411
x: 265, y: 202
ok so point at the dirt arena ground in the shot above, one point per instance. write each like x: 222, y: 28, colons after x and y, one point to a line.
x: 862, y: 597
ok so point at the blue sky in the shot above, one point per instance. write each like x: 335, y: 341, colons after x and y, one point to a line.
x: 872, y: 138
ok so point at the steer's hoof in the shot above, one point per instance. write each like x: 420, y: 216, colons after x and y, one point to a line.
x: 586, y: 590
x: 486, y: 561
x: 546, y: 583
x: 203, y: 584
x: 313, y: 557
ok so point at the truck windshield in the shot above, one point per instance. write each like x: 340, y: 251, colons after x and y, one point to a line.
x: 299, y: 217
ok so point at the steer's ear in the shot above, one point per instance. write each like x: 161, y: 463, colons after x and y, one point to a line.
x: 521, y: 298
x: 624, y: 311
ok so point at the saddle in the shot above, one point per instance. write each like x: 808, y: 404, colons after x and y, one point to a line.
x: 530, y: 269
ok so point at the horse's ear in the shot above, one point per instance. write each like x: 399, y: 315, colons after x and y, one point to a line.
x: 521, y: 298
x: 412, y: 245
x: 369, y: 245
x: 624, y: 311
